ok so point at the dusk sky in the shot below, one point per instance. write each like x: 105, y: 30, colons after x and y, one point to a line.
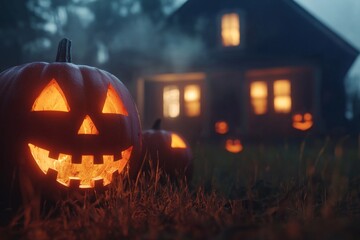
x: 343, y: 16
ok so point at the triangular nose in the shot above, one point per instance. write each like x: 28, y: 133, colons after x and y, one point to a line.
x: 88, y: 127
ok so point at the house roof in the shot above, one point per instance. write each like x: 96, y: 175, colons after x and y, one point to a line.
x: 282, y: 28
x: 322, y: 27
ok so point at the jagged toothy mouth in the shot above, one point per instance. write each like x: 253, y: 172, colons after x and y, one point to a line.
x: 86, y: 174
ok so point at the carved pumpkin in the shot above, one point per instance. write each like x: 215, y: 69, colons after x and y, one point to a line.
x: 233, y: 145
x: 167, y: 149
x: 221, y: 127
x: 302, y: 122
x: 65, y: 125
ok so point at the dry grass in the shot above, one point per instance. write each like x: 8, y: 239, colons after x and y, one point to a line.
x: 303, y: 190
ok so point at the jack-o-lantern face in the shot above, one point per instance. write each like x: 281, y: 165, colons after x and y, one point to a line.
x: 233, y: 145
x: 177, y: 141
x: 168, y: 151
x: 302, y: 122
x: 86, y: 173
x: 74, y: 125
x: 221, y: 127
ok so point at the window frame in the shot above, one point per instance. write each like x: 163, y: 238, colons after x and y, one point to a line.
x: 242, y: 20
x: 281, y: 95
x: 270, y: 99
x: 183, y: 104
x: 166, y: 112
x: 191, y: 102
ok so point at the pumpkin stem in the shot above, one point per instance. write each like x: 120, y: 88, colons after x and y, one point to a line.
x: 64, y: 51
x: 157, y: 124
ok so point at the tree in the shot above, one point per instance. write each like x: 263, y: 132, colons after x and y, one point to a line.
x: 16, y: 30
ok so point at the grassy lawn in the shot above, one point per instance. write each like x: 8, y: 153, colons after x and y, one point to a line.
x: 307, y: 189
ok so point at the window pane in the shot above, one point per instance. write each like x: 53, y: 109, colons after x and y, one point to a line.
x: 282, y: 104
x: 171, y: 101
x: 230, y: 29
x: 258, y: 94
x: 192, y: 100
x: 282, y: 96
x: 259, y: 106
x: 258, y: 90
x: 192, y: 93
x: 282, y: 88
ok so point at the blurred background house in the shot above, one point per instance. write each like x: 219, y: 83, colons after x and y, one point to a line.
x: 266, y: 68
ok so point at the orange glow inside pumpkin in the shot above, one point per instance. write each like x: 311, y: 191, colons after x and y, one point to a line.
x: 51, y: 98
x: 302, y: 122
x: 177, y: 142
x: 233, y: 145
x: 113, y: 103
x: 221, y: 127
x: 88, y: 127
x: 86, y: 173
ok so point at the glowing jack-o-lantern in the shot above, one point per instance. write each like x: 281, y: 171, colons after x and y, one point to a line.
x: 67, y: 125
x: 221, y: 127
x: 302, y: 122
x: 233, y: 145
x: 168, y: 151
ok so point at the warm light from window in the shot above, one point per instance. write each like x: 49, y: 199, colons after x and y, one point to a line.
x: 282, y: 96
x: 192, y: 100
x: 171, y: 101
x: 230, y: 29
x: 258, y: 94
x: 221, y: 127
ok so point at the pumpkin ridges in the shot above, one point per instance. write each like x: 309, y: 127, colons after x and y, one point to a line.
x: 56, y: 131
x: 21, y: 87
x: 158, y: 150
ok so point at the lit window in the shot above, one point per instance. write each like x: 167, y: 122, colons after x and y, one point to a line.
x: 230, y: 29
x: 259, y: 93
x: 171, y: 100
x: 192, y: 100
x: 282, y: 98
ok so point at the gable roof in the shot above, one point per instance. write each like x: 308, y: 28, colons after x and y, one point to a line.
x: 282, y: 28
x: 322, y: 27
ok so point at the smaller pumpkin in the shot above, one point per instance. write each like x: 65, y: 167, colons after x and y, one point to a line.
x: 221, y: 127
x: 233, y: 145
x: 302, y: 122
x: 167, y: 151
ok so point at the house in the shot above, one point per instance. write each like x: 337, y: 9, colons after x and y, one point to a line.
x: 266, y: 68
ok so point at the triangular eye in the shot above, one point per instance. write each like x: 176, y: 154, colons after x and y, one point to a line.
x: 113, y: 103
x: 51, y: 98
